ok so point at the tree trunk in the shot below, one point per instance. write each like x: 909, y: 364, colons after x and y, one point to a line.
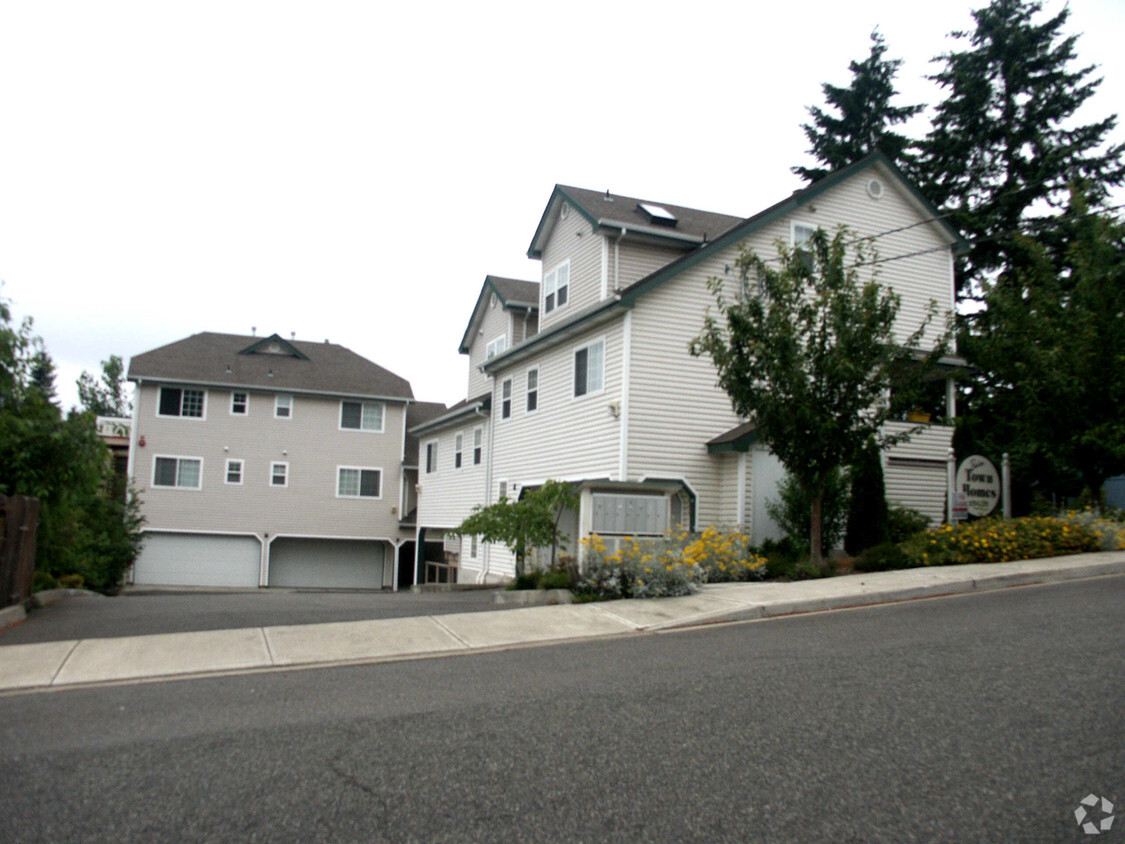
x: 816, y: 523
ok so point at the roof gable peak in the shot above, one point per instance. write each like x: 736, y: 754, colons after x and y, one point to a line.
x: 274, y: 345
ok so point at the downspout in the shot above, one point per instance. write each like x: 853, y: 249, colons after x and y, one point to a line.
x: 617, y: 259
x: 486, y: 550
x: 131, y: 465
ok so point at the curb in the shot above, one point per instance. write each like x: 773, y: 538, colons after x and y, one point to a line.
x: 12, y: 615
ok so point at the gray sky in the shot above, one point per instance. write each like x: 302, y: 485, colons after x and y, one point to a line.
x: 352, y: 171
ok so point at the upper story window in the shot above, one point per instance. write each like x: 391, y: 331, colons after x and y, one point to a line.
x: 358, y: 482
x: 458, y: 445
x: 506, y: 399
x: 279, y: 474
x: 802, y: 233
x: 239, y: 404
x: 283, y: 407
x: 182, y: 472
x: 361, y: 415
x: 234, y: 472
x: 556, y: 287
x: 177, y: 401
x: 431, y: 457
x: 589, y: 368
x: 532, y: 390
x: 496, y: 346
x: 478, y: 442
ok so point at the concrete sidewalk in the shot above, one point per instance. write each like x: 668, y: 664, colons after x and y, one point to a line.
x: 74, y: 663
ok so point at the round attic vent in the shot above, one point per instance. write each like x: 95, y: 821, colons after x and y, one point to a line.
x: 874, y: 188
x: 564, y: 211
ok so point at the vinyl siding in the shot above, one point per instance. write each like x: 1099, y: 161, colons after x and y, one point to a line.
x: 449, y: 494
x: 920, y: 480
x: 573, y: 239
x: 496, y: 323
x: 308, y: 506
x: 635, y: 260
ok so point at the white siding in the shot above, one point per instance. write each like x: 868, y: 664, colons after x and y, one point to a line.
x: 573, y: 239
x: 449, y: 494
x: 918, y: 485
x: 635, y: 260
x: 311, y: 442
x: 496, y: 323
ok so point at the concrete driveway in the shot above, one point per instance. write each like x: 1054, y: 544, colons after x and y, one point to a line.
x: 140, y: 613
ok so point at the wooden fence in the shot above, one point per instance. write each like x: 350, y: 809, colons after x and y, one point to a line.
x: 19, y: 518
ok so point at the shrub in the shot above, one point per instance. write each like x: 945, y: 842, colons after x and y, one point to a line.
x: 723, y: 557
x: 792, y: 510
x: 1107, y: 525
x: 526, y: 580
x: 42, y: 580
x: 868, y: 517
x: 885, y: 557
x: 905, y: 522
x: 71, y: 581
x: 646, y: 569
x: 998, y: 541
x: 556, y: 579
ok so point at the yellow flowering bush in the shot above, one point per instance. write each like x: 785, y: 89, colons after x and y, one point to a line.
x: 998, y: 541
x: 1108, y: 527
x: 673, y: 565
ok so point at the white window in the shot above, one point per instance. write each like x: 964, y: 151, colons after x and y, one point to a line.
x: 431, y: 457
x: 496, y: 346
x: 181, y: 472
x: 361, y: 415
x: 283, y: 407
x: 358, y: 482
x: 556, y: 287
x: 801, y: 234
x: 478, y: 442
x: 239, y: 404
x: 589, y: 368
x: 532, y: 390
x: 503, y: 490
x: 459, y: 443
x: 234, y: 472
x: 473, y: 547
x: 177, y: 401
x: 279, y: 474
x: 506, y: 399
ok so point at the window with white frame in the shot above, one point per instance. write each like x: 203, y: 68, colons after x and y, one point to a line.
x: 502, y: 490
x: 506, y: 399
x: 239, y: 404
x: 431, y: 457
x: 283, y: 407
x: 358, y: 482
x: 556, y: 287
x: 180, y: 401
x: 478, y: 445
x: 533, y: 389
x: 473, y: 547
x: 279, y: 474
x: 589, y: 368
x: 495, y: 347
x: 458, y: 445
x: 180, y: 472
x: 361, y: 416
x: 802, y: 234
x: 234, y: 472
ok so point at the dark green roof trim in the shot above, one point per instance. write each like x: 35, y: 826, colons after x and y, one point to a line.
x: 274, y: 338
x: 534, y: 251
x: 591, y: 317
x: 455, y: 415
x: 776, y: 212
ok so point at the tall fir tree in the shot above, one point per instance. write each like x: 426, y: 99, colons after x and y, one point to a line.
x: 863, y: 116
x: 1004, y: 144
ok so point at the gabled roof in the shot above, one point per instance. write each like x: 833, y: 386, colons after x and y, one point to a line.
x: 418, y: 413
x: 613, y: 212
x: 513, y: 295
x: 234, y: 360
x: 604, y: 310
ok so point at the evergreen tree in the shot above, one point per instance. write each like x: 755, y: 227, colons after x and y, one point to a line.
x: 107, y: 396
x: 868, y: 515
x: 43, y: 375
x: 865, y: 116
x: 1004, y: 145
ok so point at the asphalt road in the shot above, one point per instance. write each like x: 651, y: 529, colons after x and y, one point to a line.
x: 95, y: 616
x: 975, y: 718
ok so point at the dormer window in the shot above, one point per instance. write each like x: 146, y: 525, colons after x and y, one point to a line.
x: 495, y: 347
x: 658, y: 214
x: 556, y: 287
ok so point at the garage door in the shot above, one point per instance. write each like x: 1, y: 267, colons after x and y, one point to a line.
x: 327, y: 563
x: 182, y: 559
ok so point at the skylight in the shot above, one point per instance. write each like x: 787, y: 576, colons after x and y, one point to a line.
x: 658, y: 213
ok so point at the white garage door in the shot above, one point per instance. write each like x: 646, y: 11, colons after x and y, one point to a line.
x: 183, y: 559
x: 327, y: 563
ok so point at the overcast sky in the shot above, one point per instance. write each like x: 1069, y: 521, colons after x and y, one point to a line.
x: 352, y: 171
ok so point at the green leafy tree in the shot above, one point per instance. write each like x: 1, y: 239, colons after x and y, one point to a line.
x: 1004, y: 143
x: 862, y: 118
x: 107, y: 396
x: 812, y: 358
x: 868, y: 521
x: 1049, y: 353
x: 531, y: 522
x: 792, y: 510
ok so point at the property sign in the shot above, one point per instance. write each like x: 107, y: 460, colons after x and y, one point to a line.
x: 979, y: 482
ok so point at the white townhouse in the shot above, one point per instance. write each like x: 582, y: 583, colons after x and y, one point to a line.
x: 604, y: 394
x: 269, y: 462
